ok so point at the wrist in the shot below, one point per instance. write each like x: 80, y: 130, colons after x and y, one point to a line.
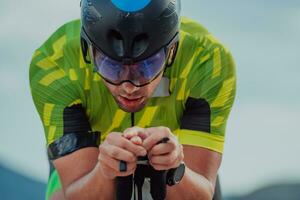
x: 100, y: 170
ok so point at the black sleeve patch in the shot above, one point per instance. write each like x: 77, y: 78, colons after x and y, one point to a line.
x: 71, y: 142
x: 77, y: 133
x: 196, y: 115
x: 75, y: 120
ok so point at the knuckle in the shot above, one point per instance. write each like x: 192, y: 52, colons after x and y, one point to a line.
x: 169, y: 159
x: 181, y: 157
x: 127, y: 129
x: 100, y: 159
x: 131, y: 158
x: 109, y: 138
x: 131, y: 166
x: 153, y: 160
x: 111, y: 135
x: 173, y: 145
x: 135, y: 151
x: 114, y: 153
x: 168, y: 130
x: 165, y: 130
x: 153, y: 151
x: 122, y: 143
x: 174, y: 156
x: 101, y: 147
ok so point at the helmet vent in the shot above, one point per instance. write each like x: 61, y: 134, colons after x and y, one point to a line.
x: 140, y: 44
x: 169, y: 18
x: 169, y: 10
x: 117, y: 42
x: 89, y: 13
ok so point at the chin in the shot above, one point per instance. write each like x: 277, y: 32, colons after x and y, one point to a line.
x: 132, y: 109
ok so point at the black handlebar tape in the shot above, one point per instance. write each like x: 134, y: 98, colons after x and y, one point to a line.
x: 158, y: 184
x: 124, y: 187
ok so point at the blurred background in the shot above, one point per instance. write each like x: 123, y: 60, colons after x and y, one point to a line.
x: 261, y: 158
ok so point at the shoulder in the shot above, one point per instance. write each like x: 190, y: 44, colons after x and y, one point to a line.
x: 199, y: 48
x: 195, y: 35
x: 202, y: 61
x: 192, y: 28
x: 56, y: 44
x: 56, y: 63
x: 61, y: 51
x: 66, y: 32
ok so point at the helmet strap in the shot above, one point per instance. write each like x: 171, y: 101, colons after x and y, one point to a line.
x: 84, y: 49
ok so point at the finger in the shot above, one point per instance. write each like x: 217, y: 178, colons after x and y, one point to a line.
x: 167, y: 159
x: 135, y: 131
x: 137, y: 150
x: 122, y: 142
x: 175, y: 164
x: 156, y: 134
x: 136, y: 140
x: 161, y: 167
x: 162, y: 148
x: 114, y: 164
x: 112, y: 173
x: 117, y: 153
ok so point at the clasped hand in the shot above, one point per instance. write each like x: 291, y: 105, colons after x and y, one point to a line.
x: 134, y: 142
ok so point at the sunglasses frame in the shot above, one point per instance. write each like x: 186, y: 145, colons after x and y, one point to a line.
x: 87, y: 48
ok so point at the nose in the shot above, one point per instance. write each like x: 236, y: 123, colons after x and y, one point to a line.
x: 129, y: 88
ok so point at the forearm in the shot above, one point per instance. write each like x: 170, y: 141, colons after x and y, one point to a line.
x: 192, y: 186
x: 92, y: 186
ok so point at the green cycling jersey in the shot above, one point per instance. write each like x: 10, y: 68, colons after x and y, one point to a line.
x: 201, y: 89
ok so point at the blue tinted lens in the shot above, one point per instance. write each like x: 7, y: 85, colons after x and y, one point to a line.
x: 153, y: 65
x: 139, y: 73
x: 107, y: 68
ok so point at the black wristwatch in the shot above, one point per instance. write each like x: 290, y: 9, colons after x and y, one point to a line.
x: 175, y: 175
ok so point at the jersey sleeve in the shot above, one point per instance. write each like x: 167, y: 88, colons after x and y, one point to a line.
x: 52, y: 91
x: 54, y: 84
x: 209, y: 97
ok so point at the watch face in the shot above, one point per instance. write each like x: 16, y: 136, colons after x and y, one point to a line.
x: 175, y: 175
x: 179, y: 173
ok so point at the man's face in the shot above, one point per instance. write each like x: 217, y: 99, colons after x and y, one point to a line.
x: 131, y: 98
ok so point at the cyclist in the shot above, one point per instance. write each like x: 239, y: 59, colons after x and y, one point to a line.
x: 111, y: 86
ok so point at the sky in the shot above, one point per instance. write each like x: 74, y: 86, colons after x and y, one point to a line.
x: 263, y: 129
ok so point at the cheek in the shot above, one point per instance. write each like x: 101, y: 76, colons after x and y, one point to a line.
x: 112, y: 89
x: 151, y: 88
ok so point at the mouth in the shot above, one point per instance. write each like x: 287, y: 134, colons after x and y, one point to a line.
x: 130, y: 102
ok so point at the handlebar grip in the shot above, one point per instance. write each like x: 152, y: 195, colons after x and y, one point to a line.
x: 124, y: 187
x: 158, y: 186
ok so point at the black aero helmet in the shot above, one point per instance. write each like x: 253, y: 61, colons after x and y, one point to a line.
x: 129, y: 29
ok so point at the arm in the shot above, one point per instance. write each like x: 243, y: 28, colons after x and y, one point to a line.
x: 200, y: 175
x: 208, y: 102
x: 81, y: 176
x: 203, y: 123
x: 54, y: 95
x: 85, y: 171
x: 94, y: 174
x: 201, y: 164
